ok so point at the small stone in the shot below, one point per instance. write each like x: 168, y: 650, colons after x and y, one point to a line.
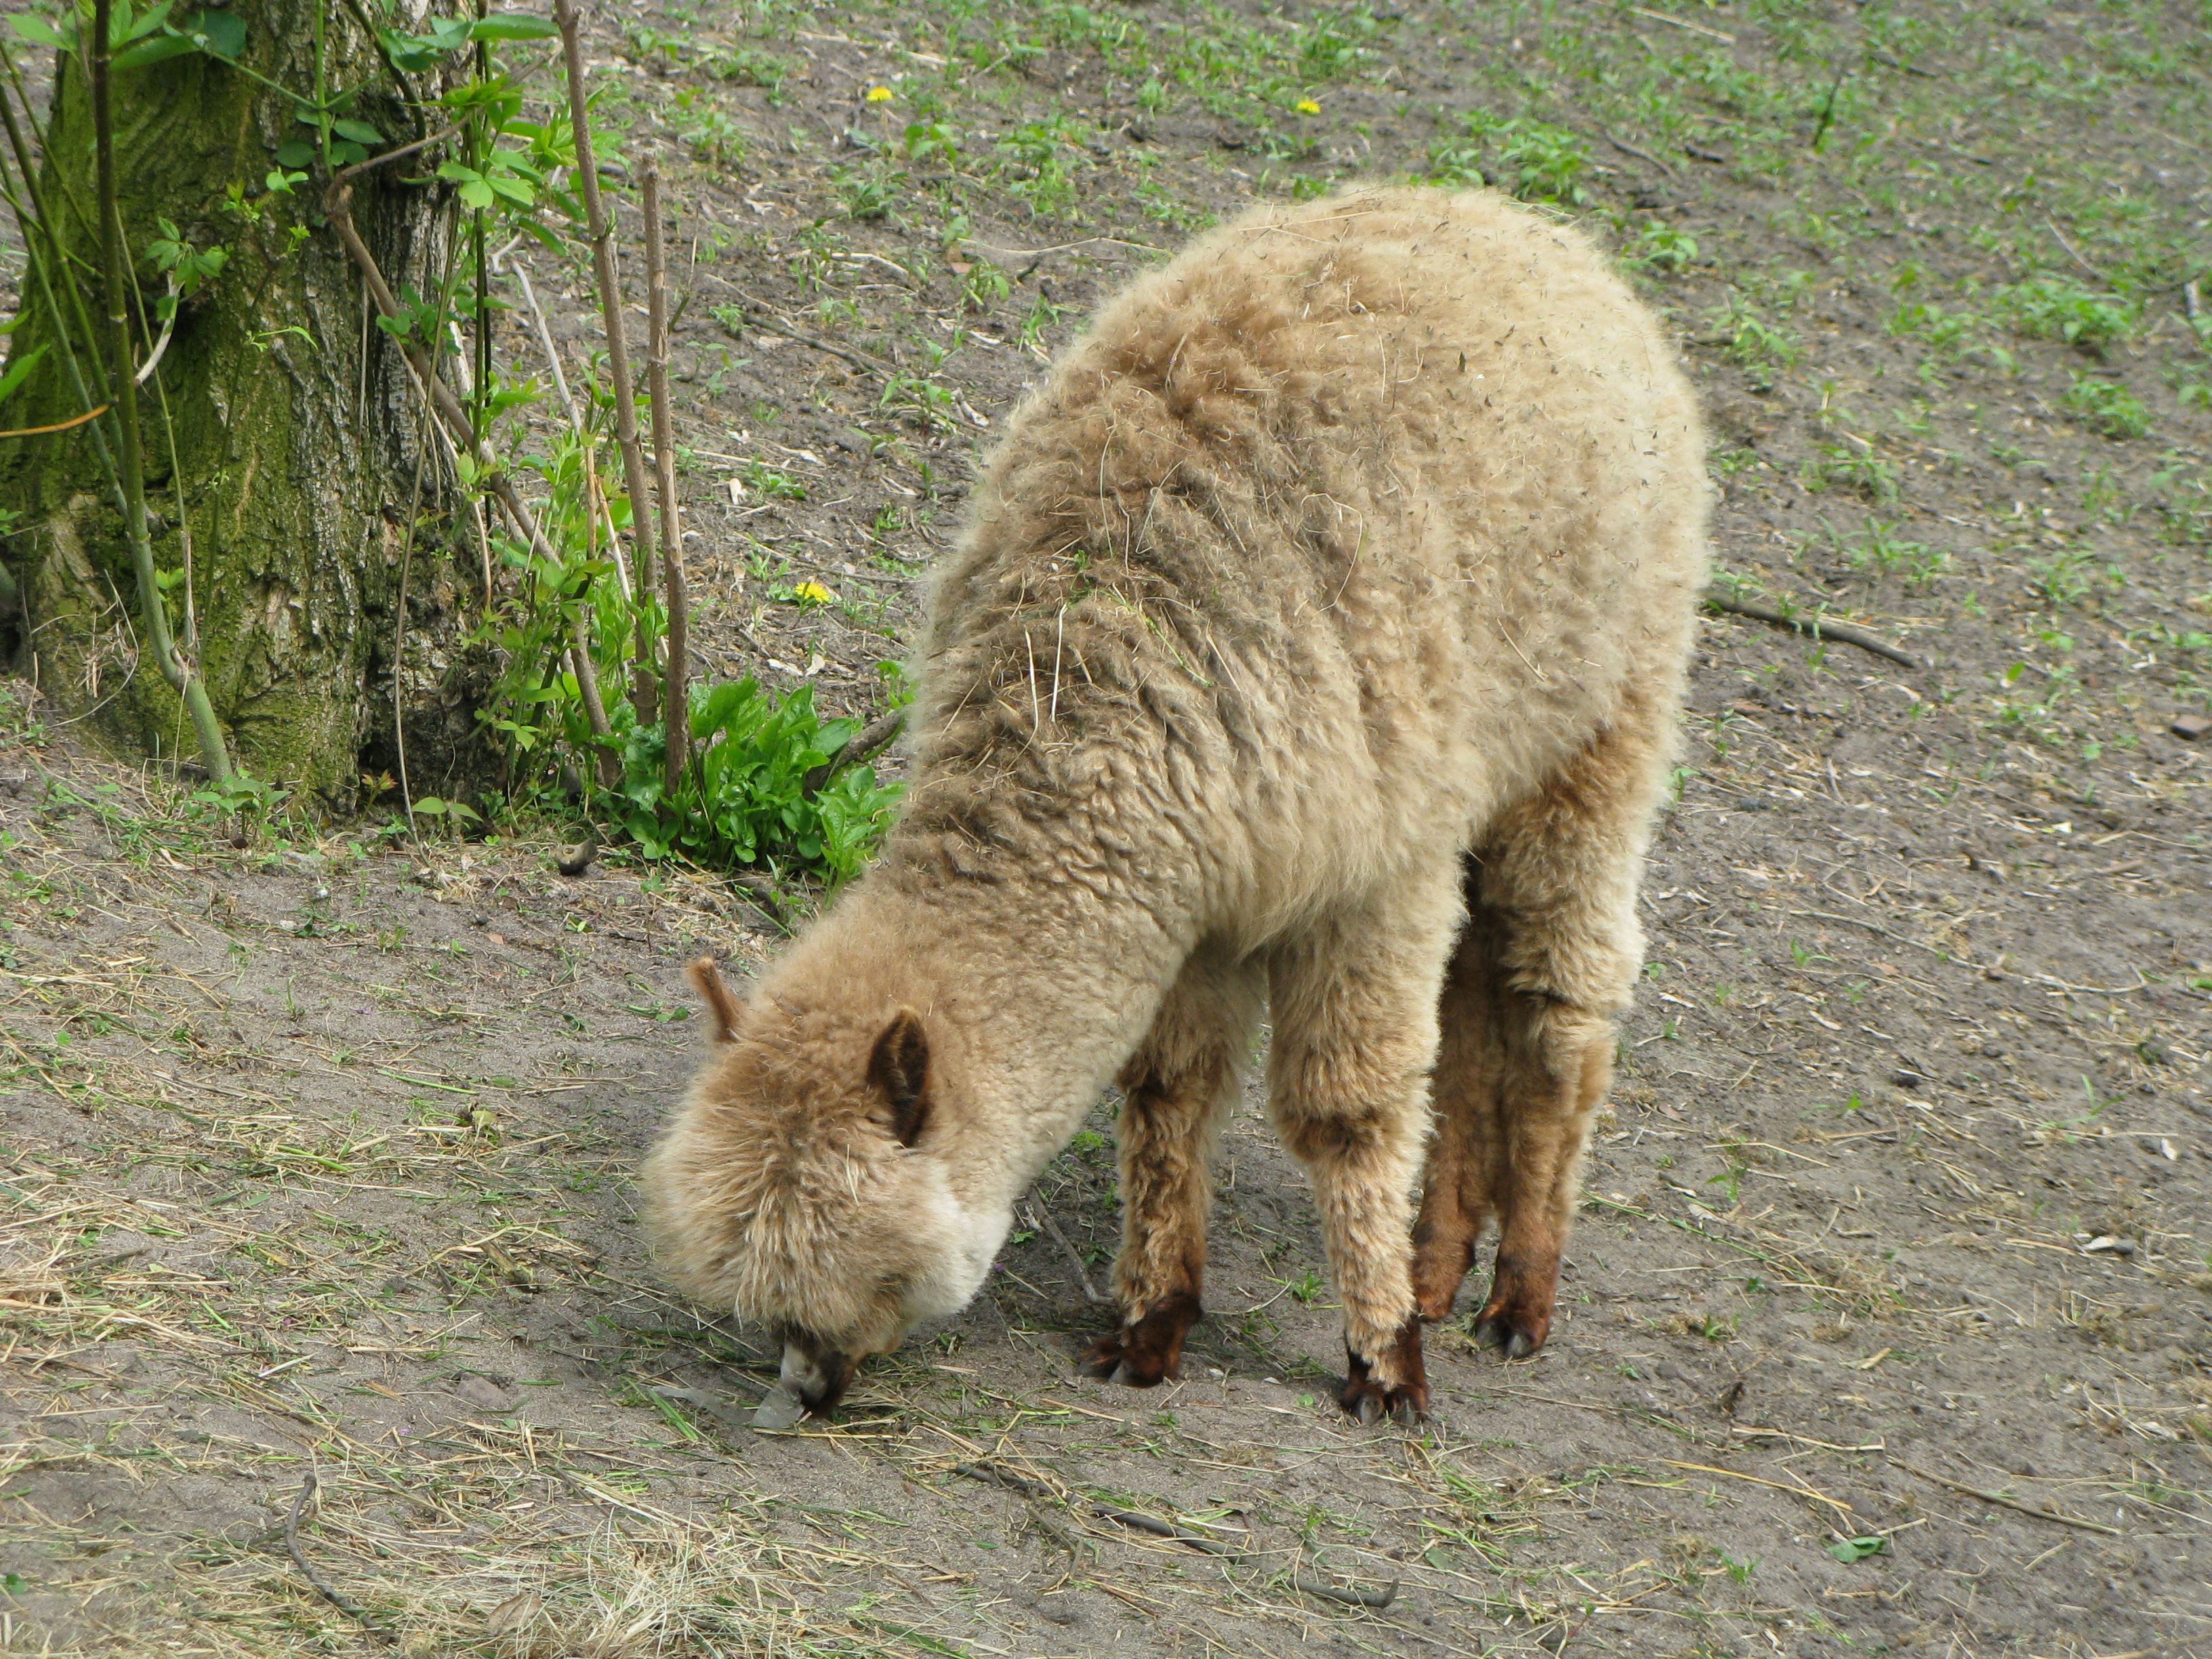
x: 2190, y: 726
x: 779, y: 1409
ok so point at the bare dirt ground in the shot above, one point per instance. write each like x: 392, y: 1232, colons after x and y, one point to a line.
x: 1888, y: 1323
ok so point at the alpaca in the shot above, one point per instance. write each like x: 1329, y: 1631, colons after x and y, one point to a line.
x: 1314, y: 643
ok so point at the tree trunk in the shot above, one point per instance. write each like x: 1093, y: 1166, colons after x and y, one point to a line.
x: 287, y: 451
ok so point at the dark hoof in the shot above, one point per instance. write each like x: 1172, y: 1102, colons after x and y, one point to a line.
x: 1369, y: 1399
x: 1436, y: 1305
x: 1438, y: 1270
x: 1111, y: 1360
x: 1516, y: 1338
x: 1146, y: 1353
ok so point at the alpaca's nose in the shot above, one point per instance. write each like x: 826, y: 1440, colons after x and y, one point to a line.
x: 814, y: 1377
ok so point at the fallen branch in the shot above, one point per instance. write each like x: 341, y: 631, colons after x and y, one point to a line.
x: 754, y: 319
x: 1626, y: 148
x: 1089, y: 1292
x: 865, y: 744
x: 1819, y: 627
x: 366, y: 1618
x: 2012, y: 1504
x: 1139, y: 1521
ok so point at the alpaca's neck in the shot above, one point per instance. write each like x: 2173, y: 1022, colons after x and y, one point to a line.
x: 1032, y: 995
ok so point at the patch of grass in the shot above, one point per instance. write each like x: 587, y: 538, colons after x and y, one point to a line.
x: 2108, y: 407
x: 1876, y: 546
x: 2055, y: 308
x: 1532, y: 160
x: 1845, y: 466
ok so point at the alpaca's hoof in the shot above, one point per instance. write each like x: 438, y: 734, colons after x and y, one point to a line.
x: 1433, y: 1305
x: 1146, y: 1352
x: 1371, y: 1402
x: 1111, y: 1360
x: 1370, y: 1398
x: 1515, y: 1335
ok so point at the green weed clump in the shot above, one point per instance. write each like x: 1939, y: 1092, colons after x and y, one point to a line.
x: 1534, y: 160
x: 1662, y: 247
x: 2108, y: 407
x: 2053, y: 308
x: 1878, y: 547
x: 744, y: 798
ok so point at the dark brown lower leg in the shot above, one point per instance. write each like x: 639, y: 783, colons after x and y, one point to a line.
x: 1456, y: 1184
x: 1560, y: 1060
x: 1149, y: 1352
x: 1370, y: 1398
x: 1176, y: 1089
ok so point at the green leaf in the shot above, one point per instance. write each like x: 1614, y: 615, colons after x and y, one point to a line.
x: 296, y: 153
x: 156, y: 50
x: 511, y: 26
x: 429, y: 803
x: 123, y: 27
x: 218, y: 34
x: 477, y: 194
x: 1848, y: 1550
x: 44, y: 33
x: 20, y: 371
x: 359, y: 131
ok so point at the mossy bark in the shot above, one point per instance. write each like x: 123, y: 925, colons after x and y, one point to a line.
x: 283, y: 434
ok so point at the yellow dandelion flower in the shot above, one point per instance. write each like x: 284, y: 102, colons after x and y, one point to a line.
x: 812, y: 593
x: 1307, y: 107
x: 879, y: 95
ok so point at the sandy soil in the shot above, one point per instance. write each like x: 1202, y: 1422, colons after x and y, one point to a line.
x: 1888, y: 1323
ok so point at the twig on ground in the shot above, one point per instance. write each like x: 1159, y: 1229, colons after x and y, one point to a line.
x: 1137, y: 1521
x: 367, y: 1619
x: 1835, y: 1503
x: 863, y: 745
x: 754, y: 319
x: 2012, y: 1504
x: 1626, y: 148
x: 1044, y: 1218
x: 1819, y: 627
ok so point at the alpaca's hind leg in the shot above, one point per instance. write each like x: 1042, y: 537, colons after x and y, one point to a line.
x: 1553, y: 901
x: 1354, y: 1007
x: 1176, y: 1089
x: 1457, y: 1197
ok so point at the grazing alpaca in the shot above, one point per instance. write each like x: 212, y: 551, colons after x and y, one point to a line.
x: 1314, y: 643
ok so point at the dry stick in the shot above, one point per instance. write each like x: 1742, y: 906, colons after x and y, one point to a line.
x: 675, y: 699
x: 2012, y: 1504
x: 214, y: 754
x: 322, y: 1587
x: 1819, y: 627
x: 1626, y: 148
x: 1139, y: 1521
x: 579, y: 651
x: 755, y: 320
x: 603, y: 265
x: 863, y: 745
x: 452, y: 415
x: 1074, y: 1261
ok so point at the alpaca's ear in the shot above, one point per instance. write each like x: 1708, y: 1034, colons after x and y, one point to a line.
x: 729, y: 1011
x: 900, y: 1067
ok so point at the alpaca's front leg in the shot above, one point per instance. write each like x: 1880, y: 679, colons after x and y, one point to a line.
x: 1177, y: 1088
x: 1354, y: 1007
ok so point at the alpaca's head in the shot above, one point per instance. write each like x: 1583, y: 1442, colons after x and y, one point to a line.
x: 801, y: 1186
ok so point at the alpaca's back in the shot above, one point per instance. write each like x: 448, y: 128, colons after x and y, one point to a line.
x: 1335, y: 536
